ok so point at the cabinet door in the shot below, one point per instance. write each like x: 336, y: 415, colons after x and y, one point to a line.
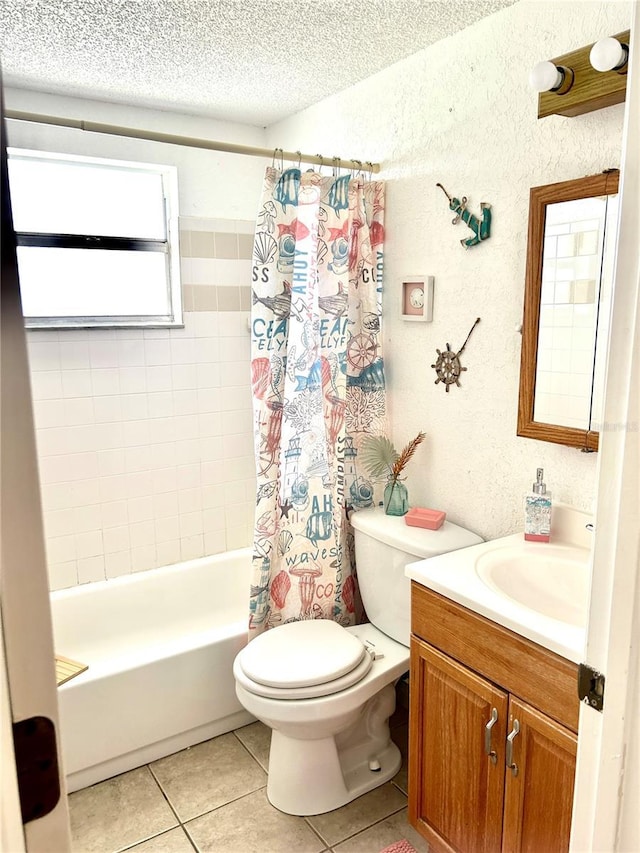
x: 539, y: 790
x: 455, y: 788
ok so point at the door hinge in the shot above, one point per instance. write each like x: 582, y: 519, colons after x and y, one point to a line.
x: 591, y: 686
x: 34, y: 742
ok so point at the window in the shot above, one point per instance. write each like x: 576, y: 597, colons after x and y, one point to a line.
x: 97, y: 241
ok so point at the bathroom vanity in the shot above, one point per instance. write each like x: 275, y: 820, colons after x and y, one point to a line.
x: 470, y: 680
x: 494, y: 702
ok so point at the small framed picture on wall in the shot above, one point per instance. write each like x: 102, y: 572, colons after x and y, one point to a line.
x: 417, y: 298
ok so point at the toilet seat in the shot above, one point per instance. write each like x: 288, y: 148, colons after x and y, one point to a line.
x: 302, y: 660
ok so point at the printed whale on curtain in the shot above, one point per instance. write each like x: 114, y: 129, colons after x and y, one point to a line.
x: 318, y: 388
x: 335, y: 304
x: 280, y: 305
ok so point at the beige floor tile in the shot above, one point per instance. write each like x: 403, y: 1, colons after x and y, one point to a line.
x: 257, y: 739
x: 252, y: 825
x: 118, y: 813
x: 382, y: 834
x: 208, y: 775
x: 400, y: 736
x: 341, y: 823
x: 174, y: 841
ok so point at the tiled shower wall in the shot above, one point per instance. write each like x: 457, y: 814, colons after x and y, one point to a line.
x: 145, y: 436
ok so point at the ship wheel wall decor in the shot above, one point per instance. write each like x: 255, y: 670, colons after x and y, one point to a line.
x: 447, y: 366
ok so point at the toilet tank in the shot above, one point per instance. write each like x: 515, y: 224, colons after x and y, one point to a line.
x: 384, y: 545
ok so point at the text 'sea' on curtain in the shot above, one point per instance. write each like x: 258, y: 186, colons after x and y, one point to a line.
x: 318, y: 388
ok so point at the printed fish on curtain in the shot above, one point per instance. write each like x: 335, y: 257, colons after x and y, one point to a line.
x: 318, y: 388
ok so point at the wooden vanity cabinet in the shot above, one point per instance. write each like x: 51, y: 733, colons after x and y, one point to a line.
x: 466, y: 673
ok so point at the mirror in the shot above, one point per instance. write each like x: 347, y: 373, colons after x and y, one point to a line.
x: 569, y: 278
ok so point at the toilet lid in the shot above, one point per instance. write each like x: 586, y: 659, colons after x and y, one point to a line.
x: 302, y: 654
x: 315, y: 691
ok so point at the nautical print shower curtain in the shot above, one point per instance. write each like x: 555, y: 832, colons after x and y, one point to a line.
x: 318, y: 388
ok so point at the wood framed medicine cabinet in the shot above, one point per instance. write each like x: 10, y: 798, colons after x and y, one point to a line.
x: 569, y: 276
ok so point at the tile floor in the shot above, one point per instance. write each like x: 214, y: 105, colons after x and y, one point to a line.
x: 211, y: 798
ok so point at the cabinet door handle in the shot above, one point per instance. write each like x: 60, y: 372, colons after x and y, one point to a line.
x: 493, y: 755
x: 510, y: 739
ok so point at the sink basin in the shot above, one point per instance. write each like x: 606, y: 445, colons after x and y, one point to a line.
x: 551, y: 580
x: 540, y: 590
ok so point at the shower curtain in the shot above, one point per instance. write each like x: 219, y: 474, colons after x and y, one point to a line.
x: 318, y: 389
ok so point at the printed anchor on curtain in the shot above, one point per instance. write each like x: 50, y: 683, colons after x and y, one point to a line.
x: 318, y: 388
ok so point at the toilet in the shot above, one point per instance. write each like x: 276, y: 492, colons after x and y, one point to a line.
x: 326, y: 691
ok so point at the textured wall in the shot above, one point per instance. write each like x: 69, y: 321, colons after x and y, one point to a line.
x: 211, y: 183
x: 460, y: 112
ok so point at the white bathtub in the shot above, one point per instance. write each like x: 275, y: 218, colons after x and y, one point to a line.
x: 160, y: 647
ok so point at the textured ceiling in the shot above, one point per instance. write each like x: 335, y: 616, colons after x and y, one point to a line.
x: 251, y: 61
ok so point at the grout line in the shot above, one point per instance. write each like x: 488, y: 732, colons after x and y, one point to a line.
x: 191, y: 841
x: 222, y: 805
x: 316, y: 832
x: 402, y: 791
x: 370, y: 826
x: 255, y: 758
x: 164, y: 794
x: 148, y: 838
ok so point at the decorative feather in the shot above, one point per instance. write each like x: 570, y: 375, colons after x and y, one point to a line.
x: 404, y: 457
x: 378, y: 455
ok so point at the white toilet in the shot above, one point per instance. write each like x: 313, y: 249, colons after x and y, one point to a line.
x: 327, y: 692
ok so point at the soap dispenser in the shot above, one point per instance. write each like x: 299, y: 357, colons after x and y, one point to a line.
x: 537, y: 511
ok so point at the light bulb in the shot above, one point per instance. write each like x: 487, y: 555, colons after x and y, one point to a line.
x: 608, y: 54
x: 546, y: 77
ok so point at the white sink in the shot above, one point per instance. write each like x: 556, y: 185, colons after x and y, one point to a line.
x: 552, y: 582
x: 537, y: 589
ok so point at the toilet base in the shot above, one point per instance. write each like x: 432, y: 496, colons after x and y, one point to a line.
x: 308, y: 777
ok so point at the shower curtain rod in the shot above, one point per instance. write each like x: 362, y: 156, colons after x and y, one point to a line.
x: 192, y: 142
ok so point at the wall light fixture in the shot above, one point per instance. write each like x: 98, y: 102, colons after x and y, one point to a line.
x: 548, y: 77
x: 584, y: 80
x: 609, y: 54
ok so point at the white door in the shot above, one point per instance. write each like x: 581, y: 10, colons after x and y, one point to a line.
x: 607, y: 790
x: 28, y: 684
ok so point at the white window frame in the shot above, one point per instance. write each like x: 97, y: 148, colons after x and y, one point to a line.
x: 169, y: 178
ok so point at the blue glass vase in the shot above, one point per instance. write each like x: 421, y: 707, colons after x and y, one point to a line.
x: 396, y: 498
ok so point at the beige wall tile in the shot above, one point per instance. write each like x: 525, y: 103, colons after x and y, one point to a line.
x: 245, y: 246
x: 229, y: 299
x: 188, y: 297
x: 184, y: 243
x: 245, y: 299
x: 226, y: 245
x: 205, y: 298
x: 201, y: 244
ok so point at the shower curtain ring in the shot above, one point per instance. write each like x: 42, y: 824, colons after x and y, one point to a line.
x: 273, y: 161
x: 336, y: 166
x: 321, y: 163
x: 299, y: 153
x: 370, y: 165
